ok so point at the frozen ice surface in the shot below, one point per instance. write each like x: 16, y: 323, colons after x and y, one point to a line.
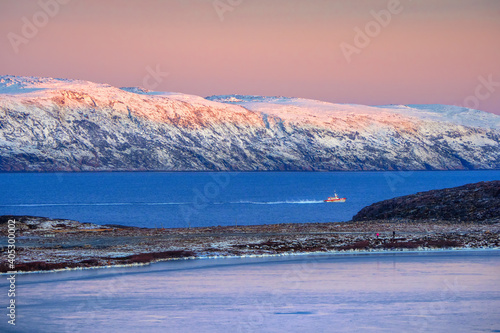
x: 406, y: 292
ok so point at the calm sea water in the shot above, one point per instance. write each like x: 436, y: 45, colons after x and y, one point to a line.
x: 211, y: 199
x: 419, y: 292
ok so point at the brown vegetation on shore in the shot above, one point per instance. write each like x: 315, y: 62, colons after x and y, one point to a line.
x: 48, y: 244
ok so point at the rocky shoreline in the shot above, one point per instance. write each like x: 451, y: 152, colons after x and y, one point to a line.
x: 44, y: 244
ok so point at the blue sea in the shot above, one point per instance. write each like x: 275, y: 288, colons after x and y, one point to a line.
x: 183, y: 199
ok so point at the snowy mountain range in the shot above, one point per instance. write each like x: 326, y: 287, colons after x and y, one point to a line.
x: 51, y: 124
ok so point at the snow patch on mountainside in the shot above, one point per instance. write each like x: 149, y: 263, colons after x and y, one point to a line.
x: 21, y: 92
x: 13, y: 85
x: 300, y: 109
x: 448, y: 113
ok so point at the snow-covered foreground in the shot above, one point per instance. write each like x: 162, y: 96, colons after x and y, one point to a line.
x: 410, y: 292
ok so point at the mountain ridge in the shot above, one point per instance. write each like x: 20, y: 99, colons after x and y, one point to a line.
x: 72, y: 125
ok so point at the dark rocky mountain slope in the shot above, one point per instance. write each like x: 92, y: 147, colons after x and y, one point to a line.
x: 469, y: 203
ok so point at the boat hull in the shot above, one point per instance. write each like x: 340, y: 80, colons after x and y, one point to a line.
x: 335, y: 200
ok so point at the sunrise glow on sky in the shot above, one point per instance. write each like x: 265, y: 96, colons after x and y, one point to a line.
x: 424, y: 52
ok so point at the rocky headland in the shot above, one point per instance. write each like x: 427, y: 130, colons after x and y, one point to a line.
x: 479, y: 202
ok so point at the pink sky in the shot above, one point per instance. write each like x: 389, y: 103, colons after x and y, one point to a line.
x: 430, y: 52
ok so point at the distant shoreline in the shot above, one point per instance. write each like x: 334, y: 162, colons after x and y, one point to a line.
x: 237, y: 171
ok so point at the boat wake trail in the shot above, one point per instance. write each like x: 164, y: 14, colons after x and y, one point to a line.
x: 284, y: 202
x: 98, y: 204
